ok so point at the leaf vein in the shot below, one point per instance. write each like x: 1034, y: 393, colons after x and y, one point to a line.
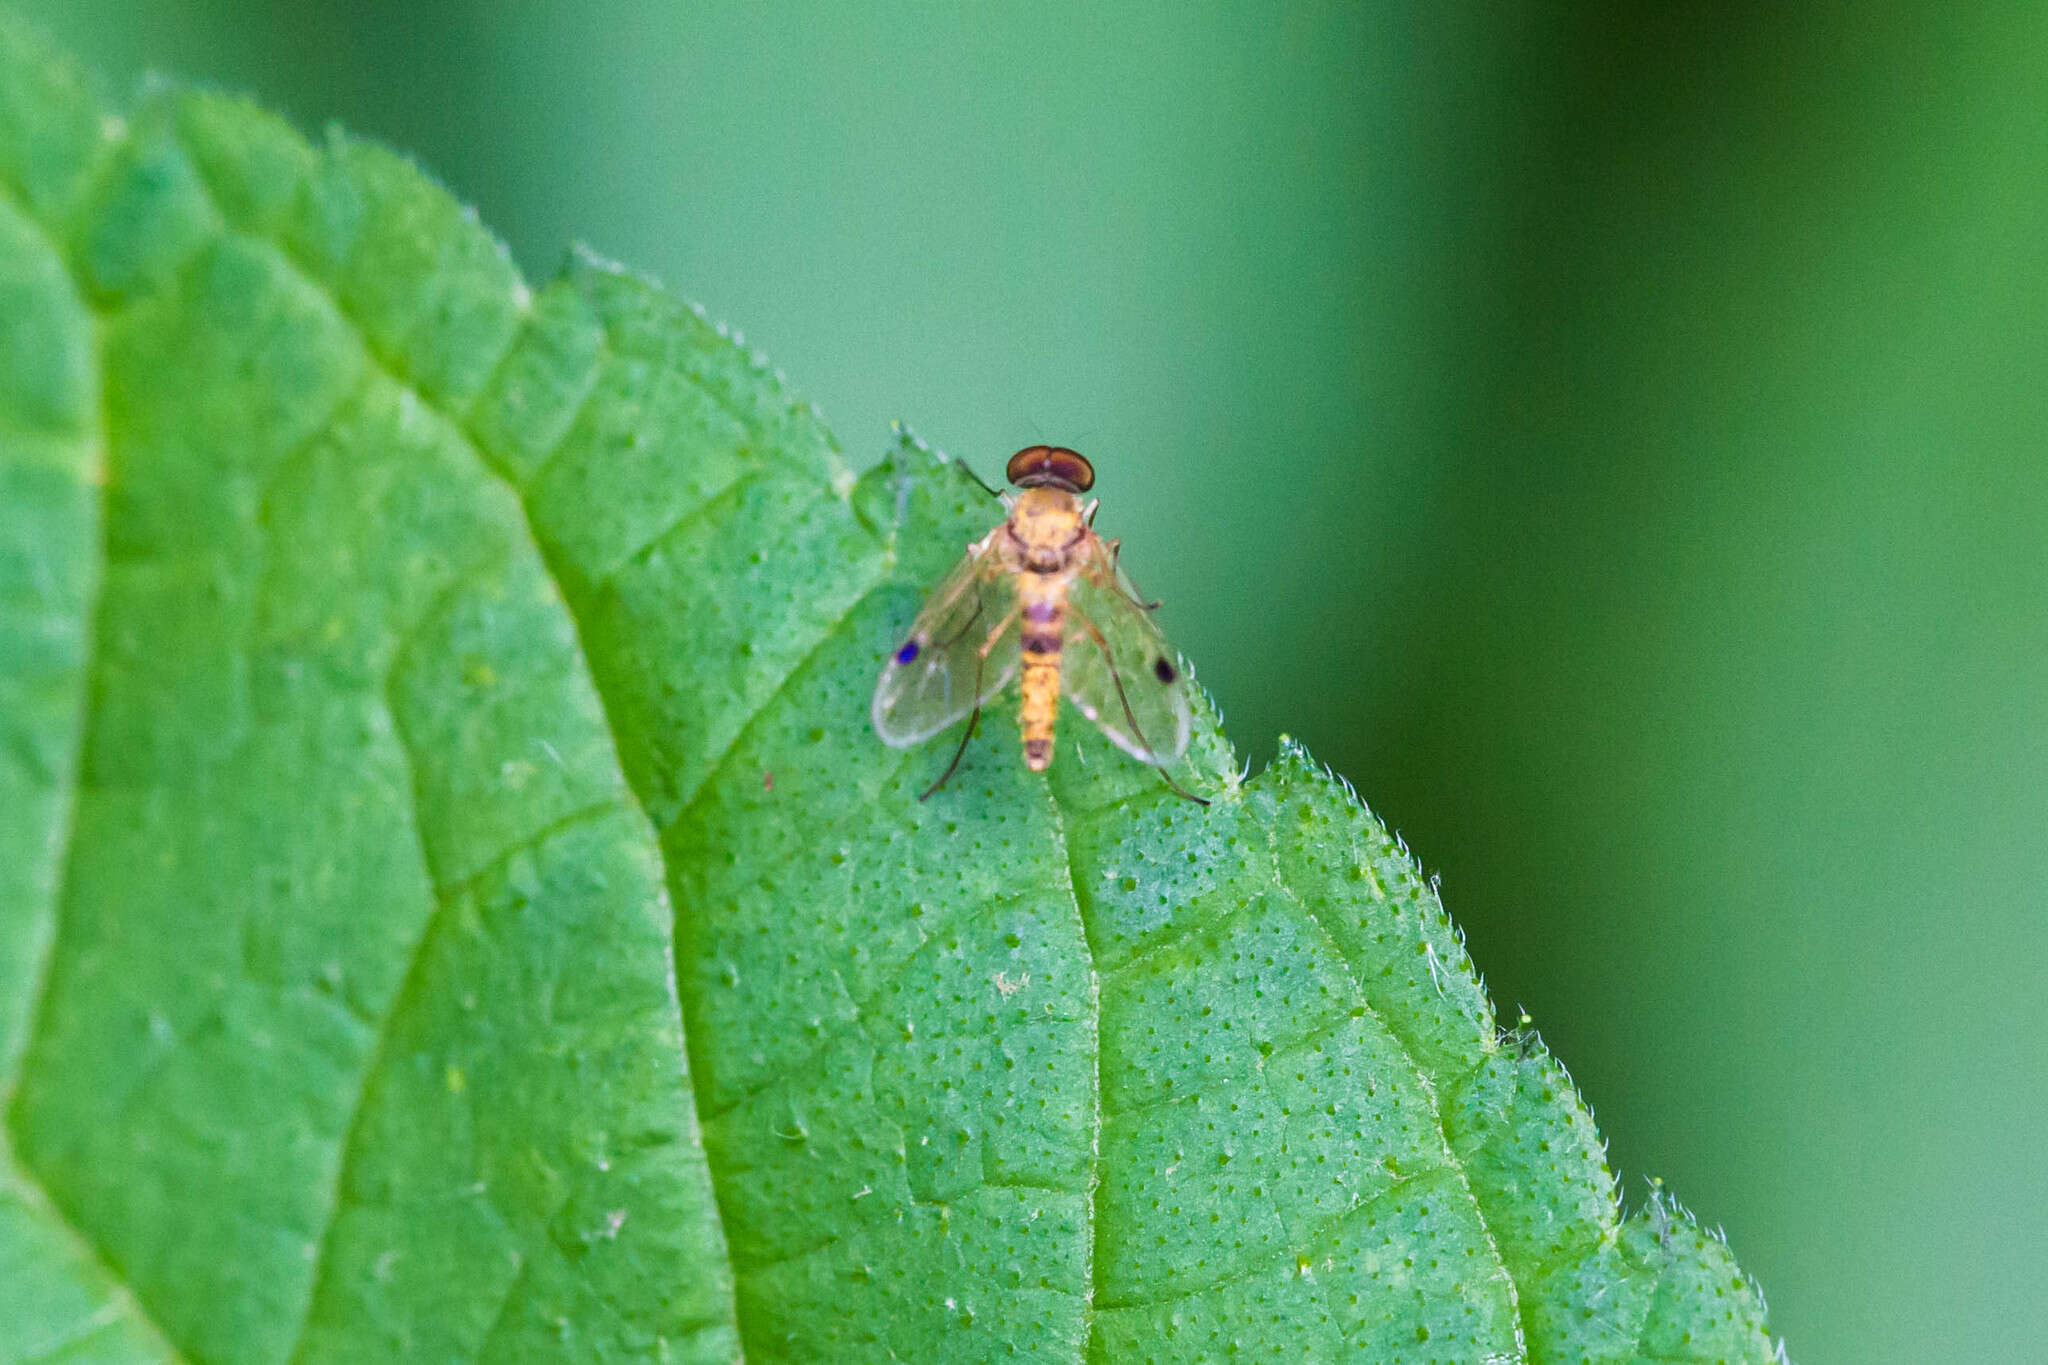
x: 719, y: 765
x: 846, y: 1028
x: 492, y: 468
x: 415, y: 957
x: 1360, y: 979
x: 68, y: 828
x: 25, y: 1182
x: 1296, y: 1248
x: 736, y: 489
x: 564, y: 442
x: 64, y: 843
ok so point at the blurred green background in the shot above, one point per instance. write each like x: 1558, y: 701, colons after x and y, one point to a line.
x: 1615, y: 436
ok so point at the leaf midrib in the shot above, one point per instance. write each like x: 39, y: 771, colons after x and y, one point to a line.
x: 884, y: 580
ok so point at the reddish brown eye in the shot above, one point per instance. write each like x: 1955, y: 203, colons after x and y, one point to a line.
x: 1026, y: 462
x: 1035, y: 465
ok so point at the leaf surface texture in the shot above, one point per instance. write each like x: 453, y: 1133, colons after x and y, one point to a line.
x: 452, y: 906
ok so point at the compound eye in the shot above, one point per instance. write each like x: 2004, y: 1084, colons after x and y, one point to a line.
x: 1070, y: 467
x: 1025, y: 463
x: 1050, y: 464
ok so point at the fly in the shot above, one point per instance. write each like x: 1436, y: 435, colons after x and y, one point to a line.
x: 1039, y: 600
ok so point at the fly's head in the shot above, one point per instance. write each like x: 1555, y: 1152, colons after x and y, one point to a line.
x: 1047, y: 520
x: 1037, y: 466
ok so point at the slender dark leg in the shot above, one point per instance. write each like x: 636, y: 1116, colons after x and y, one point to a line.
x: 968, y: 625
x: 1178, y: 790
x: 973, y: 721
x: 1116, y: 553
x: 973, y: 724
x: 1118, y: 679
x: 968, y: 470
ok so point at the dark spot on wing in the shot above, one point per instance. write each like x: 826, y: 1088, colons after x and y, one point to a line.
x: 1163, y: 670
x: 907, y: 653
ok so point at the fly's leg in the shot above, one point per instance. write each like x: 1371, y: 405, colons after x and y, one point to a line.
x: 1116, y: 549
x: 973, y: 724
x: 964, y: 468
x: 967, y: 625
x: 1117, y: 678
x: 974, y: 720
x: 990, y: 642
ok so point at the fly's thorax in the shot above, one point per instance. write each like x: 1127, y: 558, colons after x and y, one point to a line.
x: 1046, y: 526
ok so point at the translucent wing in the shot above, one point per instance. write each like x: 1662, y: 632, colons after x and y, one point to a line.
x: 947, y: 663
x: 1117, y: 668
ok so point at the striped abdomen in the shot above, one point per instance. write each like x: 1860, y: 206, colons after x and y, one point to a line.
x: 1043, y: 601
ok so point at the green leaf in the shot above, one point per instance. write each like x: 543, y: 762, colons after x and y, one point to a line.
x: 426, y: 703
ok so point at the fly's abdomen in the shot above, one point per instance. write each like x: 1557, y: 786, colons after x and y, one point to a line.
x: 1045, y: 618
